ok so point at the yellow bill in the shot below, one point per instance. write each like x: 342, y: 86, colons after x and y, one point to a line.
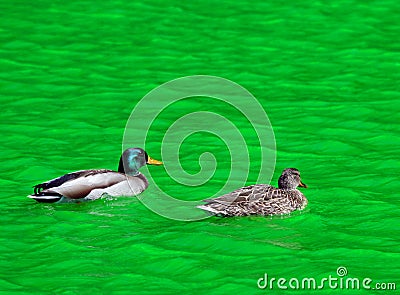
x: 151, y: 161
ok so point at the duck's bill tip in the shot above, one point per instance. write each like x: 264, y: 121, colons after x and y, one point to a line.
x: 303, y: 185
x: 152, y: 161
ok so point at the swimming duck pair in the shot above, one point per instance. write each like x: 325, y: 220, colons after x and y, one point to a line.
x: 258, y: 199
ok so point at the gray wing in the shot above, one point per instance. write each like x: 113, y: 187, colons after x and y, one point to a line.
x: 79, y: 184
x: 67, y: 177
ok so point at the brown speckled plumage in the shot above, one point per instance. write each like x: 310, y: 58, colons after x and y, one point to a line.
x: 261, y: 199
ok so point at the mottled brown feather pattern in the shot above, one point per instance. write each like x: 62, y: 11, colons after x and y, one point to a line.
x: 260, y: 199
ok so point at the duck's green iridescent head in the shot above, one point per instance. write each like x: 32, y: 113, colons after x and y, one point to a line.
x: 290, y: 179
x: 132, y: 159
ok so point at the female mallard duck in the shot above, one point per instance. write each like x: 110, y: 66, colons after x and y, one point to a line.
x: 261, y: 199
x: 87, y: 185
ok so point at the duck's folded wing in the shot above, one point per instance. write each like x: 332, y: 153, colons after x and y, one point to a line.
x: 244, y: 194
x: 79, y: 184
x: 60, y: 180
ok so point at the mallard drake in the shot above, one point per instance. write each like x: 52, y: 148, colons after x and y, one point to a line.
x: 261, y: 199
x: 87, y: 185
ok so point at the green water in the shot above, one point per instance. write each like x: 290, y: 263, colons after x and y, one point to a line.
x: 326, y: 74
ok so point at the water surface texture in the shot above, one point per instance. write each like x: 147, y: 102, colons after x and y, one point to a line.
x: 327, y: 74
